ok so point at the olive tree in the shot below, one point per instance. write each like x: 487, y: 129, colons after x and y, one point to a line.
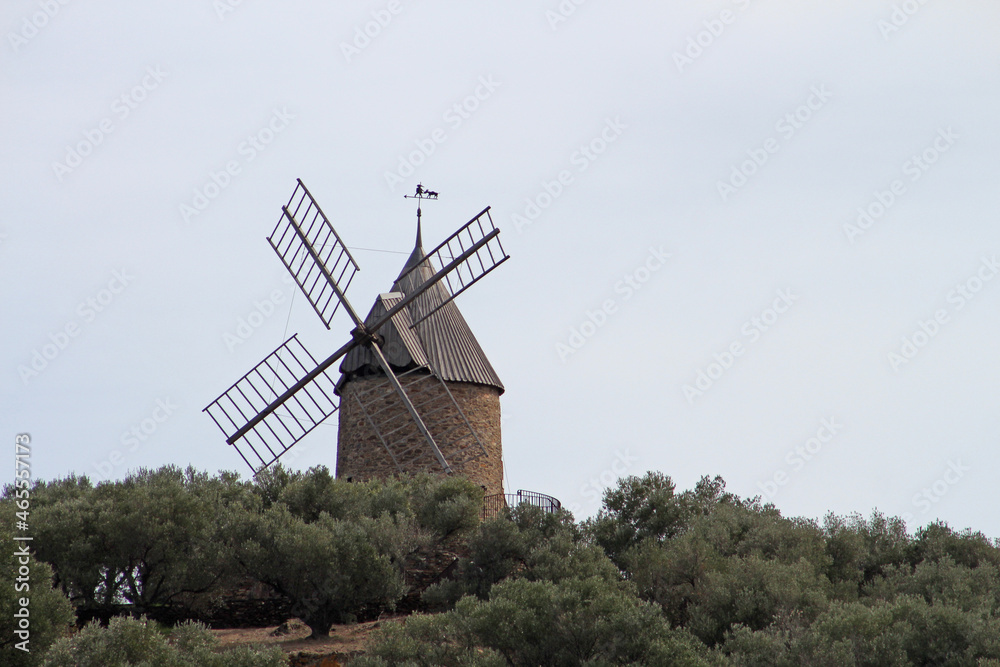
x: 577, y: 621
x: 331, y: 569
x: 26, y: 631
x: 150, y: 539
x: 130, y: 642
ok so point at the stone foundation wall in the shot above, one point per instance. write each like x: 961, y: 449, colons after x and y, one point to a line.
x: 361, y: 455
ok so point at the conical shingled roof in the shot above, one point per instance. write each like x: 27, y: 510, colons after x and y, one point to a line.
x: 444, y: 339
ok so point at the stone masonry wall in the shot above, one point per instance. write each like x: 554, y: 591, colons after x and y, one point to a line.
x: 361, y: 455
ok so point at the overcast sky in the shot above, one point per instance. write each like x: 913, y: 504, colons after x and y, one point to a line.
x: 748, y: 238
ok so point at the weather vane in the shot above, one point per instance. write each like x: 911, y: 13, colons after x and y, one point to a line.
x: 419, y: 195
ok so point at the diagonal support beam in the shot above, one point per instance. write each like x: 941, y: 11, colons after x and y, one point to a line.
x: 434, y: 279
x: 394, y: 381
x: 487, y: 256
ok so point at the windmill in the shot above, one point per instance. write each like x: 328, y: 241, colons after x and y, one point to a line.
x: 288, y: 394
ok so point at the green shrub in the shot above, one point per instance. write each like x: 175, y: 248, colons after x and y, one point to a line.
x: 269, y: 483
x: 638, y: 508
x: 527, y: 543
x: 331, y: 569
x: 967, y: 548
x: 129, y: 642
x: 317, y: 492
x: 50, y: 613
x: 864, y: 550
x: 149, y: 540
x: 441, y: 505
x: 755, y: 593
x: 906, y: 631
x: 445, y: 506
x: 574, y: 622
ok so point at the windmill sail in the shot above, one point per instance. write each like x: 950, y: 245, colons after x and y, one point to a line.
x: 313, y: 253
x: 478, y: 242
x: 263, y: 443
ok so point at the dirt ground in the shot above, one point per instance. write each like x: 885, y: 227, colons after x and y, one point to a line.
x: 344, y: 642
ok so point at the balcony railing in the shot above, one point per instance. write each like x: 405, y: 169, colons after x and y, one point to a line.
x: 494, y: 503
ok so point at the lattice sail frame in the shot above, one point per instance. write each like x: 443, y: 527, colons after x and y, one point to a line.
x: 275, y: 434
x: 487, y: 256
x: 306, y: 245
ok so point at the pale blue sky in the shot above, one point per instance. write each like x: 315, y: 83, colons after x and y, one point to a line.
x: 739, y: 138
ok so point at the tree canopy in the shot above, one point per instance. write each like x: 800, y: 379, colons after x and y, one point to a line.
x: 659, y: 576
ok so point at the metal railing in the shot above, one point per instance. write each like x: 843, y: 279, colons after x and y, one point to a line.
x: 493, y: 504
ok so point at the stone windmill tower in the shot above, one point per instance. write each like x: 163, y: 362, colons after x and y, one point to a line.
x: 416, y: 392
x: 446, y: 374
